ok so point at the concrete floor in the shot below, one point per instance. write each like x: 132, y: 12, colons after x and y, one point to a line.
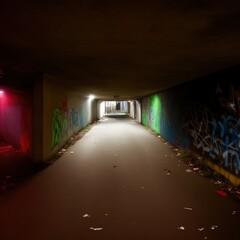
x: 115, y: 173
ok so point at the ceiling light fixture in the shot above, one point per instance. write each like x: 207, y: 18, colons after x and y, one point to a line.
x: 91, y: 97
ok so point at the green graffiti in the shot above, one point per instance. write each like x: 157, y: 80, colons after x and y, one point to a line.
x: 144, y: 118
x: 155, y: 112
x: 56, y: 127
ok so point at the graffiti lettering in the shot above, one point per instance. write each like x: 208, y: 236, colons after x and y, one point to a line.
x: 220, y: 139
x: 65, y: 121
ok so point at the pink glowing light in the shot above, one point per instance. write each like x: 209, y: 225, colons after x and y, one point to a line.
x: 1, y: 91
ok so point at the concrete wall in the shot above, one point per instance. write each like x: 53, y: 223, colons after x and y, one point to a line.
x: 63, y: 115
x: 135, y: 110
x: 16, y: 122
x: 202, y: 115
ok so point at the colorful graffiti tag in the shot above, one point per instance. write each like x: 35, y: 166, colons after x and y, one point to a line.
x: 65, y: 120
x: 151, y: 112
x: 155, y: 112
x: 218, y: 138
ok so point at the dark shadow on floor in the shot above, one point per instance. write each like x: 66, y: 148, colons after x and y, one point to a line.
x: 117, y: 115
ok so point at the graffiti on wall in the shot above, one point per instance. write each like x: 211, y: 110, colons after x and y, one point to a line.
x: 208, y: 123
x: 155, y: 112
x: 151, y: 112
x: 217, y: 136
x: 66, y: 120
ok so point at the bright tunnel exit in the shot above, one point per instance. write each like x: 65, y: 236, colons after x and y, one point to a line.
x: 131, y: 108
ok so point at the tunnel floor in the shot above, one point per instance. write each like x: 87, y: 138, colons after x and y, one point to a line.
x: 14, y: 164
x: 118, y: 182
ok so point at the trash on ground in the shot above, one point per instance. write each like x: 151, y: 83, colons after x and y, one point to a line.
x: 196, y: 169
x: 221, y: 193
x: 181, y: 228
x: 178, y: 155
x: 168, y: 171
x: 234, y: 212
x: 218, y: 182
x: 96, y: 229
x: 200, y: 229
x: 86, y: 215
x: 63, y: 150
x: 191, y: 165
x: 189, y: 170
x: 213, y: 227
x: 176, y: 149
x: 188, y: 208
x: 71, y: 152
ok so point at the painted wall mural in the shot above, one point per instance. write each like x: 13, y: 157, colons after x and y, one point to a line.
x: 66, y: 120
x: 202, y: 115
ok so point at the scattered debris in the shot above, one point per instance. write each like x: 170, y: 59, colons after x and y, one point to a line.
x: 178, y: 155
x: 176, y: 149
x: 213, y: 227
x: 196, y: 169
x: 168, y: 171
x: 200, y: 229
x: 234, y: 212
x: 63, y: 150
x: 71, y: 152
x: 188, y: 208
x: 96, y: 229
x: 218, y: 182
x: 181, y: 228
x: 106, y: 214
x: 221, y: 193
x: 189, y: 170
x: 86, y: 215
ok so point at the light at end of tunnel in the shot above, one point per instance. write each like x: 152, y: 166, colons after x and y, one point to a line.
x: 91, y: 97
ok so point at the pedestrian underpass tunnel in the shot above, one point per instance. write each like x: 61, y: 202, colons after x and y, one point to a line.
x: 114, y: 110
x: 41, y: 121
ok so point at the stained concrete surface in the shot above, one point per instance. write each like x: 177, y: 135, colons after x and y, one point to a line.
x: 115, y: 173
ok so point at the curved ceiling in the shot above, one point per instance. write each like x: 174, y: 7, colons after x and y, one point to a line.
x: 126, y: 48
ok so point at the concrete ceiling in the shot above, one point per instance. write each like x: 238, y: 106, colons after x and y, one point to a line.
x: 127, y: 48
